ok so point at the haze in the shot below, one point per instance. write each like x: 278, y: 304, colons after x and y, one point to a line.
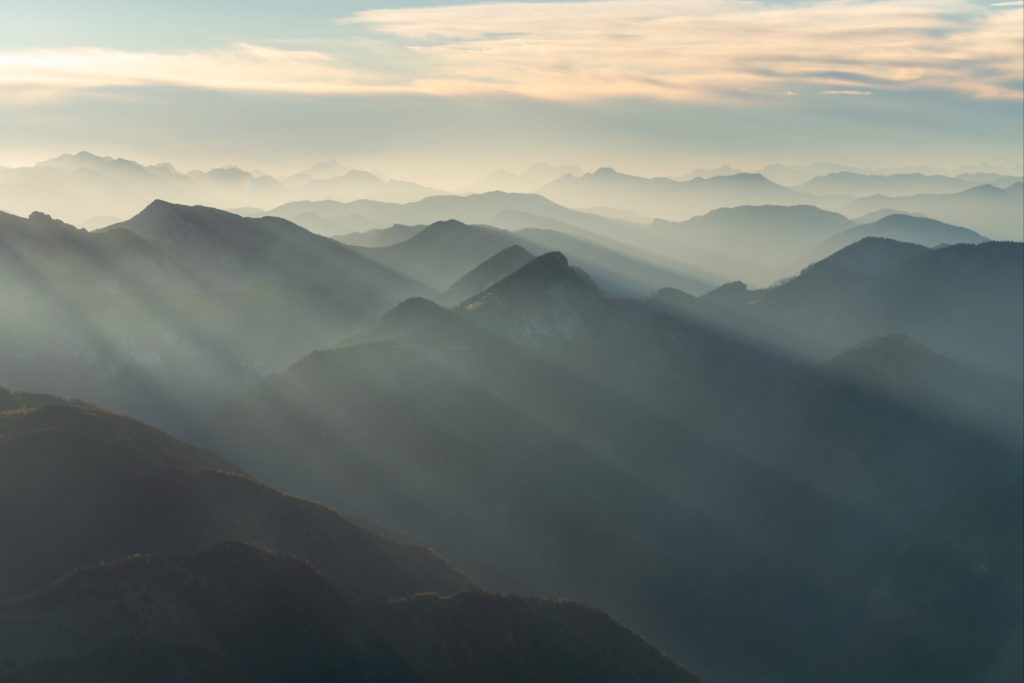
x: 610, y: 341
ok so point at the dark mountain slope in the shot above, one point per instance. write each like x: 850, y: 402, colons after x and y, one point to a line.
x: 963, y: 301
x: 693, y: 483
x: 546, y: 298
x: 896, y: 366
x: 81, y: 485
x: 231, y: 612
x: 499, y: 266
x: 949, y: 606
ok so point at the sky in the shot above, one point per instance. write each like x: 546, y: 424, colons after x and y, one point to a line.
x: 451, y: 89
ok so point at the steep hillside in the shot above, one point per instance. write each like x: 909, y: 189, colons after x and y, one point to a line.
x: 155, y: 316
x: 963, y: 301
x: 498, y: 267
x: 558, y: 442
x: 81, y: 485
x: 231, y: 612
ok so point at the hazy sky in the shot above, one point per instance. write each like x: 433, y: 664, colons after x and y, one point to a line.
x: 454, y: 88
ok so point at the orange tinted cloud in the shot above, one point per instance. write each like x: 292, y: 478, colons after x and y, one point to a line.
x: 683, y: 50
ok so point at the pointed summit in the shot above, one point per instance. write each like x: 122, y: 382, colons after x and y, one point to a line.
x: 491, y: 271
x: 545, y: 299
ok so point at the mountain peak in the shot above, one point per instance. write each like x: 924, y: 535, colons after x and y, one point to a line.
x: 545, y: 299
x: 416, y: 311
x: 496, y: 268
x: 871, y: 256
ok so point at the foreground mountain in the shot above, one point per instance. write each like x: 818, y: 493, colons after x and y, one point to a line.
x: 231, y: 612
x: 155, y: 316
x: 962, y: 562
x: 962, y: 301
x: 82, y: 486
x: 994, y: 211
x: 554, y: 441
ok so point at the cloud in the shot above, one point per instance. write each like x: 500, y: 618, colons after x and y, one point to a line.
x: 712, y: 49
x: 40, y: 75
x: 681, y: 50
x: 847, y: 92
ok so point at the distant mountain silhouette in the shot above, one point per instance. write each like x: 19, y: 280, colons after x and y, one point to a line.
x: 83, y: 187
x: 531, y: 180
x: 941, y: 297
x: 989, y: 210
x: 620, y: 269
x: 232, y: 612
x: 381, y: 237
x: 903, y: 228
x: 496, y: 268
x: 436, y: 255
x: 753, y: 242
x: 882, y: 213
x: 894, y: 185
x: 478, y: 209
x: 666, y: 198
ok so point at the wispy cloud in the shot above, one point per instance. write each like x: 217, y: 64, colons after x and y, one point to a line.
x: 680, y: 49
x: 688, y: 50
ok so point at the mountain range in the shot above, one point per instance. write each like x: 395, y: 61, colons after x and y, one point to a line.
x: 666, y: 198
x: 489, y: 437
x: 997, y: 212
x: 547, y: 385
x: 154, y: 316
x: 141, y: 557
x: 92, y: 190
x: 940, y: 297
